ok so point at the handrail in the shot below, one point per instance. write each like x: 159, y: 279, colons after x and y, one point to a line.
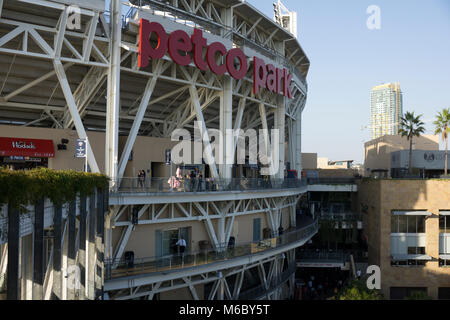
x: 173, y: 184
x: 120, y: 267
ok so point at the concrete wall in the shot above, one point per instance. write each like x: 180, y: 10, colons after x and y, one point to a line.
x: 377, y: 151
x: 309, y: 160
x: 379, y: 198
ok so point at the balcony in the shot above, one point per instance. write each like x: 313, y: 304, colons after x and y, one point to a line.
x: 162, y: 185
x: 122, y: 268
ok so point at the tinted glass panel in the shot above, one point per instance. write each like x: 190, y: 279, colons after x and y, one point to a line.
x: 442, y: 224
x: 411, y: 224
x: 402, y: 224
x: 420, y: 224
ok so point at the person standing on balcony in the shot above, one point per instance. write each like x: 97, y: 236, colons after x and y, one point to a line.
x: 192, y: 180
x: 181, y: 243
x: 141, y: 178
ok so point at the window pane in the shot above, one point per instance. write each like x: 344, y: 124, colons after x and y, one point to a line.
x: 402, y: 224
x: 412, y: 250
x: 421, y: 224
x: 420, y: 250
x: 411, y: 224
x: 447, y: 223
x: 442, y: 224
x: 394, y: 224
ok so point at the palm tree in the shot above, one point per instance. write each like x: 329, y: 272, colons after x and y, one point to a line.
x: 411, y: 126
x: 442, y: 124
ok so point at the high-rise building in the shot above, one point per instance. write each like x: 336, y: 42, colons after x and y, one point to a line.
x: 386, y: 109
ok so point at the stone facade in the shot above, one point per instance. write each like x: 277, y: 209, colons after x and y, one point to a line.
x: 377, y: 199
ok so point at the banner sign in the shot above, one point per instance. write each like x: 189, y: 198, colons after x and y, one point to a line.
x: 180, y: 45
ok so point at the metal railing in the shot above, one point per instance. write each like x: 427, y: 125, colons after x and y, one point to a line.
x: 122, y: 267
x: 349, y: 180
x: 173, y: 184
x: 323, y: 255
x: 327, y: 255
x: 260, y: 291
x: 340, y: 216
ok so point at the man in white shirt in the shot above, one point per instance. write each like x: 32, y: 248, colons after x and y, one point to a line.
x: 181, y: 243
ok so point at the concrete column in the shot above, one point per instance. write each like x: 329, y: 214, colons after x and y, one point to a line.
x: 91, y: 249
x: 298, y: 143
x: 57, y: 257
x: 38, y: 251
x: 82, y: 249
x: 12, y: 292
x: 99, y: 244
x: 65, y: 259
x: 26, y: 254
x: 226, y: 124
x: 226, y: 107
x: 71, y: 252
x: 113, y: 94
x: 279, y: 120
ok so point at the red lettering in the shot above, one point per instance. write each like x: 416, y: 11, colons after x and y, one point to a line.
x: 211, y: 57
x: 259, y: 74
x: 279, y: 81
x: 146, y: 51
x: 237, y: 53
x: 271, y: 83
x: 180, y: 41
x: 199, y: 43
x: 179, y: 45
x: 287, y: 84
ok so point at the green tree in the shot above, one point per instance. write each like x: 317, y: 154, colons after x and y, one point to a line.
x: 411, y: 126
x: 357, y: 290
x: 442, y: 126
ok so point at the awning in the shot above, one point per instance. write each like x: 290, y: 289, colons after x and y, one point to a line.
x: 411, y: 257
x: 444, y: 256
x: 411, y: 213
x: 25, y: 147
x: 444, y: 213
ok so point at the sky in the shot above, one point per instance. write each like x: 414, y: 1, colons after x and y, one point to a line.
x: 411, y: 47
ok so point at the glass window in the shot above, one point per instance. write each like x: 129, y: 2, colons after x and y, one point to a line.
x: 394, y: 224
x: 442, y: 224
x: 411, y: 224
x: 420, y: 224
x: 411, y: 250
x: 402, y: 224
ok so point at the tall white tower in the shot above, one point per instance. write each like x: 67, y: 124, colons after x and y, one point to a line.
x: 287, y: 19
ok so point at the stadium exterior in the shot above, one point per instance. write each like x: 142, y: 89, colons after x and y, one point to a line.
x: 71, y: 69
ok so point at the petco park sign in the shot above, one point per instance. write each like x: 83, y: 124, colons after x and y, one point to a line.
x: 183, y: 49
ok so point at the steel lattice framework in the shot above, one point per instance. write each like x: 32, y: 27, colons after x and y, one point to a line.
x: 88, y: 79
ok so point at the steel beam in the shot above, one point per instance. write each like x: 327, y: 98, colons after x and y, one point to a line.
x: 198, y: 110
x: 151, y: 83
x: 74, y: 112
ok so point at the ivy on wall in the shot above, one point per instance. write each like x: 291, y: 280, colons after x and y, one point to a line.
x: 60, y: 186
